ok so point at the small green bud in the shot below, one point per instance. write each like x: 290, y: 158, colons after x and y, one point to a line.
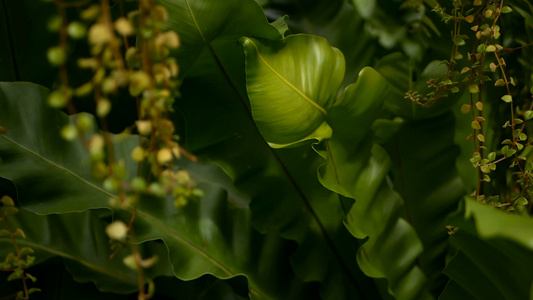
x: 111, y: 184
x: 99, y: 169
x: 117, y: 230
x: 156, y: 189
x: 183, y: 177
x: 84, y: 90
x: 164, y: 156
x: 144, y: 126
x: 69, y: 132
x: 129, y: 261
x: 103, y: 107
x: 56, y: 56
x: 99, y: 34
x: 57, y: 99
x: 76, y: 30
x: 123, y: 26
x: 139, y: 81
x: 84, y: 122
x: 7, y: 201
x: 138, y: 183
x: 138, y: 154
x: 90, y: 13
x: 180, y: 202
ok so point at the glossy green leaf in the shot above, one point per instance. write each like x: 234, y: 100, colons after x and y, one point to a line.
x: 286, y: 196
x: 289, y: 95
x: 393, y: 246
x: 35, y: 157
x: 210, y: 236
x: 358, y: 169
x: 280, y: 201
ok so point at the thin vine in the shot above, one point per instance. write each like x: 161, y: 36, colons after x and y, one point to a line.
x: 481, y: 65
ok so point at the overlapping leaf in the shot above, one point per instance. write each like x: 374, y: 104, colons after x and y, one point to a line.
x: 493, y: 258
x: 425, y: 177
x: 349, y: 170
x: 214, y: 92
x: 35, y: 157
x: 423, y: 172
x: 206, y: 237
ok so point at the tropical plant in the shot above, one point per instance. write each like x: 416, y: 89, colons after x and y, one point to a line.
x: 274, y: 149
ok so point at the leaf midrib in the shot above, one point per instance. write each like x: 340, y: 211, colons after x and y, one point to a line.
x: 287, y: 82
x: 106, y: 193
x: 147, y: 216
x: 44, y: 159
x: 327, y: 238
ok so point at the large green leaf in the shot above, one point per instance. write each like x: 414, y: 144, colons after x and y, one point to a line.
x: 201, y: 23
x: 424, y: 172
x: 494, y: 254
x: 299, y: 208
x: 360, y: 104
x: 35, y: 157
x: 209, y: 236
x: 291, y: 83
x: 358, y: 169
x: 423, y: 175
